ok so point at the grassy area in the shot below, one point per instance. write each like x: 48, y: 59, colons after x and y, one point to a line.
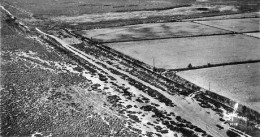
x: 39, y: 95
x: 59, y: 7
x: 190, y: 11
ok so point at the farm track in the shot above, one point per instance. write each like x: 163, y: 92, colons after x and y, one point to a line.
x: 145, y: 70
x: 107, y: 67
x: 158, y: 75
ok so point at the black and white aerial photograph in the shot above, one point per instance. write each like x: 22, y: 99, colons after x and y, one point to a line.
x: 130, y: 68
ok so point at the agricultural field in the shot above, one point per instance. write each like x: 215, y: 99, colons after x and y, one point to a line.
x: 150, y: 31
x: 47, y: 91
x: 57, y: 80
x: 236, y: 25
x: 180, y: 52
x: 238, y: 82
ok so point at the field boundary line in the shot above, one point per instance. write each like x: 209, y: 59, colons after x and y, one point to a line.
x: 215, y: 65
x: 172, y: 37
x: 234, y: 32
x: 179, y: 37
x: 196, y: 22
x: 235, y: 18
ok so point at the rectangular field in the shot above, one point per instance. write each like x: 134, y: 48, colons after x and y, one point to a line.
x: 179, y: 52
x: 150, y: 31
x: 237, y: 25
x: 239, y: 82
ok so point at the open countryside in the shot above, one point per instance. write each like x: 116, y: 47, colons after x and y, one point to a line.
x: 149, y: 68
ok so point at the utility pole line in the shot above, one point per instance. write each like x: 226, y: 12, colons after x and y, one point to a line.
x: 153, y: 63
x: 209, y: 86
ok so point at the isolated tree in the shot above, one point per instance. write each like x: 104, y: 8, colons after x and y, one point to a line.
x: 190, y: 66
